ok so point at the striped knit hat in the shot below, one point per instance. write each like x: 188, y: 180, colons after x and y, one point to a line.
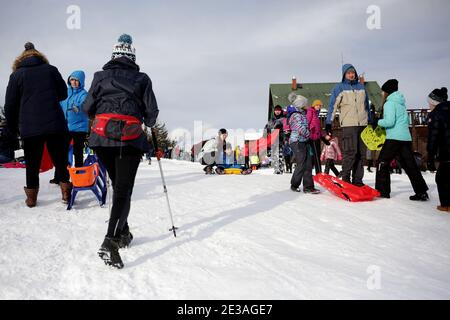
x: 124, y: 48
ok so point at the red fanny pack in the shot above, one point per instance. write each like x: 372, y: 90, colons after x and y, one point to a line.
x: 117, y: 126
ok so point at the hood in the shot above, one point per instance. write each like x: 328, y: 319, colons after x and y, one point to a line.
x: 345, y: 68
x: 80, y: 76
x: 397, y: 97
x: 290, y: 110
x: 29, y: 58
x: 121, y: 63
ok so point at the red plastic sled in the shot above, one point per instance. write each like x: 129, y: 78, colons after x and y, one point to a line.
x: 46, y: 163
x: 345, y: 190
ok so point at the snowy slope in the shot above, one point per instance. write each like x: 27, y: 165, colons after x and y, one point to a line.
x: 240, y: 237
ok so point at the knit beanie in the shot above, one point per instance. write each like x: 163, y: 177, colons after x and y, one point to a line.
x: 438, y: 96
x: 317, y: 103
x: 390, y: 86
x: 124, y: 48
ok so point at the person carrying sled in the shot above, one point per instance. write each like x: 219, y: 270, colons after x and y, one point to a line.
x: 438, y: 146
x: 350, y: 99
x: 32, y: 110
x: 398, y: 144
x: 214, y: 153
x: 299, y: 141
x: 120, y: 99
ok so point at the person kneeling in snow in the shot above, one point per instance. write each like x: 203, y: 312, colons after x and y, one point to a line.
x: 299, y: 141
x: 215, y: 152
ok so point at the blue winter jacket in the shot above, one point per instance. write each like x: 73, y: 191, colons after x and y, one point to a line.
x: 395, y: 118
x: 77, y: 119
x: 351, y: 100
x: 299, y: 125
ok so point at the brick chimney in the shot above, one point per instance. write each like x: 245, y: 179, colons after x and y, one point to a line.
x: 294, y: 83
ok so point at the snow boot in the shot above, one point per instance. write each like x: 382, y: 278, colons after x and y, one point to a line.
x: 247, y: 171
x: 109, y: 253
x: 444, y: 209
x: 296, y: 189
x: 208, y: 170
x: 419, y: 197
x: 220, y: 170
x: 311, y: 190
x: 54, y: 181
x: 66, y: 191
x: 31, y: 196
x: 125, y: 239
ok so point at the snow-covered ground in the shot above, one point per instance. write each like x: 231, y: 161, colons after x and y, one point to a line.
x: 240, y: 237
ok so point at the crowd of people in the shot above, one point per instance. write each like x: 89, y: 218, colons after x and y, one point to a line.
x: 44, y: 110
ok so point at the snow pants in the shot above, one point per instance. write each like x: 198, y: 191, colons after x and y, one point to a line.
x: 403, y: 150
x: 58, y: 148
x: 443, y: 183
x: 303, y: 170
x: 353, y: 150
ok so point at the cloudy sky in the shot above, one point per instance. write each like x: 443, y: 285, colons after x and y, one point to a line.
x: 214, y: 60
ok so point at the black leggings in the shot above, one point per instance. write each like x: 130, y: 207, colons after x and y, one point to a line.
x: 58, y: 148
x: 443, y: 183
x: 122, y: 171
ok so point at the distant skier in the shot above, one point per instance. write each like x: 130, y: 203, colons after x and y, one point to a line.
x: 299, y: 141
x: 119, y: 100
x: 215, y: 153
x: 439, y: 144
x: 32, y: 110
x: 398, y: 144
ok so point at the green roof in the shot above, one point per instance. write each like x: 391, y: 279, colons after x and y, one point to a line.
x: 312, y: 91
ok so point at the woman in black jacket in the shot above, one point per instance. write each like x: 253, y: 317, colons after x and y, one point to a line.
x: 439, y: 144
x: 32, y: 110
x: 119, y: 100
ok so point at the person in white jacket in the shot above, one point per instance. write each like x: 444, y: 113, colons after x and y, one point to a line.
x: 215, y: 151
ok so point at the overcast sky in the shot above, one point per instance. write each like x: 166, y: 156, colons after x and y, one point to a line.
x: 214, y: 60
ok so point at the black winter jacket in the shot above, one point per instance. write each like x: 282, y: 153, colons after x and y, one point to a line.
x: 120, y: 88
x: 439, y: 132
x: 32, y: 99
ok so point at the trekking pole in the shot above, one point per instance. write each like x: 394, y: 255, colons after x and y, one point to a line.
x: 155, y: 146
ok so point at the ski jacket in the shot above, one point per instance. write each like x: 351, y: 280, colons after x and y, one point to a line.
x: 32, y: 98
x: 314, y: 123
x: 214, y: 145
x: 439, y: 132
x: 351, y: 100
x: 395, y: 118
x: 299, y: 126
x: 332, y: 151
x: 77, y: 119
x: 120, y: 88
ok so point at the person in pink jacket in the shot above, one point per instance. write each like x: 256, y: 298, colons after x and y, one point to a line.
x: 312, y: 115
x: 330, y: 154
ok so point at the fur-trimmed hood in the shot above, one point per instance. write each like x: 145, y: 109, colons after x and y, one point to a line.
x: 26, y: 55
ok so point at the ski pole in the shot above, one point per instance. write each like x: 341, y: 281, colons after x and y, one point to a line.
x: 155, y: 146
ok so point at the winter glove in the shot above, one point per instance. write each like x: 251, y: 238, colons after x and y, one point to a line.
x: 339, y: 158
x: 328, y: 129
x: 374, y: 123
x: 159, y: 154
x: 430, y: 165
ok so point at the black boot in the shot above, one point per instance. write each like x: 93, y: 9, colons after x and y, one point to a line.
x: 109, y: 252
x: 125, y: 239
x: 419, y: 197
